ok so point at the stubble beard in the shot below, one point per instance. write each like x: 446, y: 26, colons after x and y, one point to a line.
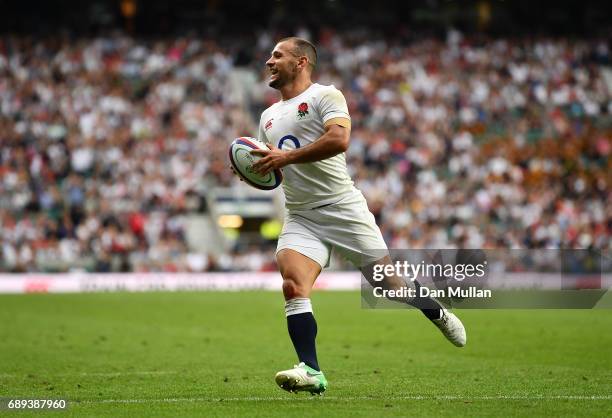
x: 283, y: 79
x: 277, y: 83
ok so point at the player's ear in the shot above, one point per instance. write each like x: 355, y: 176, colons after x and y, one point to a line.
x: 303, y: 62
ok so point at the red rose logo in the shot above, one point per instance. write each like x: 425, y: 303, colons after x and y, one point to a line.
x: 302, y: 110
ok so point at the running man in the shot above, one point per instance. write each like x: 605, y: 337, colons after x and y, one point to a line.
x: 308, y: 132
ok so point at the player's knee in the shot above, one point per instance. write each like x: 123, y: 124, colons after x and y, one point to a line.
x: 292, y: 289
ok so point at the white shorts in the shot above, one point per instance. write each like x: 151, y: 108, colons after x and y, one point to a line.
x: 348, y: 227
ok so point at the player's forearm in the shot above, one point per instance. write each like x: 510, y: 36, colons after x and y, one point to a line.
x: 329, y: 145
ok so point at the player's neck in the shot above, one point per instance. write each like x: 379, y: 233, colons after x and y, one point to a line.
x: 294, y: 89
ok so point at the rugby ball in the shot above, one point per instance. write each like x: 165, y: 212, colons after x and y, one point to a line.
x: 242, y: 161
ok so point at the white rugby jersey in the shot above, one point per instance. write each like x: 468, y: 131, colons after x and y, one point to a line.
x: 297, y: 122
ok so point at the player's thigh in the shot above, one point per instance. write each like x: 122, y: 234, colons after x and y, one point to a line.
x: 302, y: 234
x: 382, y: 273
x: 299, y: 273
x: 355, y: 235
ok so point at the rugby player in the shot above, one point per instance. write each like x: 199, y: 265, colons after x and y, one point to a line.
x: 308, y: 132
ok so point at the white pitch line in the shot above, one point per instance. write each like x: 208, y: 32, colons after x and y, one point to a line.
x: 142, y: 373
x: 99, y: 374
x: 355, y: 398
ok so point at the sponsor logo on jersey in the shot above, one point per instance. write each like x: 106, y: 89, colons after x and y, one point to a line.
x: 268, y: 124
x: 302, y: 110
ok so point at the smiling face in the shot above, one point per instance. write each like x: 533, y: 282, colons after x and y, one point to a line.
x: 284, y: 65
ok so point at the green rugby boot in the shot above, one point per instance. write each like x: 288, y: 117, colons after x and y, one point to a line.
x: 302, y: 379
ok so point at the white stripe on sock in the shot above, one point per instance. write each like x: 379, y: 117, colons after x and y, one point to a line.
x: 297, y: 306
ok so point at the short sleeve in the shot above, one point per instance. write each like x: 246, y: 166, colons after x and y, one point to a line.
x: 332, y: 104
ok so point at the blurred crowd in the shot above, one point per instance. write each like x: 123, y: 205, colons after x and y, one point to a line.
x: 108, y: 143
x: 501, y: 144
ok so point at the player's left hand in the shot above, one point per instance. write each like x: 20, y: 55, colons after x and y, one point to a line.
x: 271, y: 159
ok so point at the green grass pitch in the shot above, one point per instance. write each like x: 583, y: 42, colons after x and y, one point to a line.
x: 216, y: 353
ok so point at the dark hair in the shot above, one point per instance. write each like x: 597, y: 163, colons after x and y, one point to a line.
x: 302, y: 47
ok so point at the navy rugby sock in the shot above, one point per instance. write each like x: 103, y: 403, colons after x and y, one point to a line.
x: 302, y: 328
x: 435, y: 313
x: 430, y: 307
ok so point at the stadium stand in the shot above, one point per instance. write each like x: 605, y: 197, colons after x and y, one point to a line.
x: 112, y: 145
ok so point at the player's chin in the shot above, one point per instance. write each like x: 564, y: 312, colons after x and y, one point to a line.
x: 275, y: 83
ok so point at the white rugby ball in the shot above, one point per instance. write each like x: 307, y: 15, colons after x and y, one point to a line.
x: 242, y: 161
